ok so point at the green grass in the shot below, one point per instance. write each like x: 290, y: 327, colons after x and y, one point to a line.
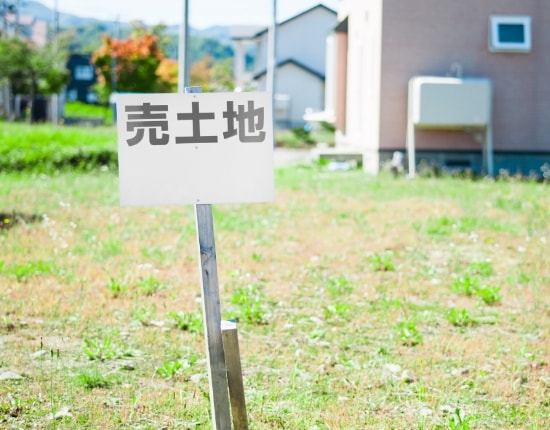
x: 85, y: 110
x: 43, y: 148
x: 362, y: 302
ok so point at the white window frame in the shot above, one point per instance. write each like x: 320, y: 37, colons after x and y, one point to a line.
x: 83, y: 73
x: 495, y: 45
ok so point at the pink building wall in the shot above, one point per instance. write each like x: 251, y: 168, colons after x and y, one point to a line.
x: 424, y: 37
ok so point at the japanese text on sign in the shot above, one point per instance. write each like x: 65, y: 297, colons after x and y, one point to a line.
x: 250, y: 123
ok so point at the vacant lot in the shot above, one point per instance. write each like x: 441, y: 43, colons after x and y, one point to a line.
x: 363, y: 303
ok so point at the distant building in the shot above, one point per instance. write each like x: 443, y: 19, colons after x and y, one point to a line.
x: 300, y: 63
x: 82, y: 78
x: 379, y: 45
x: 27, y: 27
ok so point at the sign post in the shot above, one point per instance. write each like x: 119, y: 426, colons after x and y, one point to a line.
x: 217, y: 373
x: 200, y: 149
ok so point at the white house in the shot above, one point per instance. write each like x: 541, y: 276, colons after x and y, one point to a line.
x: 300, y: 54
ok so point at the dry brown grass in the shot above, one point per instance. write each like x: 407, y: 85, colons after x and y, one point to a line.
x: 328, y: 271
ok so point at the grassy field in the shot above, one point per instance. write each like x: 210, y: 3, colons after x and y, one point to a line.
x: 363, y: 303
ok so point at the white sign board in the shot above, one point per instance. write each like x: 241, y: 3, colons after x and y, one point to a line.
x: 199, y: 148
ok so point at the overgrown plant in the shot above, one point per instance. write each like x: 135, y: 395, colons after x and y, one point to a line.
x: 91, y: 378
x: 250, y: 304
x: 408, y: 333
x: 489, y: 294
x: 169, y: 369
x: 191, y: 322
x: 466, y: 285
x: 116, y: 287
x: 460, y: 317
x: 382, y: 262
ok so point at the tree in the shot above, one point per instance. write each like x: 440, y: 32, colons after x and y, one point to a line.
x: 212, y: 75
x: 31, y: 70
x: 222, y: 78
x: 135, y: 62
x: 167, y: 73
x: 199, y: 73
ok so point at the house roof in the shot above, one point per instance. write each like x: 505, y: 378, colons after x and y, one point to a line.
x: 265, y: 29
x: 342, y: 26
x: 295, y: 63
x: 244, y: 32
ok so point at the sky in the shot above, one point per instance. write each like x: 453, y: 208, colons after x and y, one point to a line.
x: 202, y: 13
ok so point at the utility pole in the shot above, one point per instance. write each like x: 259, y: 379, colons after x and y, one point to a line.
x: 183, y: 49
x: 55, y: 97
x: 272, y: 58
x: 17, y: 7
x: 116, y: 33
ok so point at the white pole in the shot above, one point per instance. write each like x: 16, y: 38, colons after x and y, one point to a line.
x: 55, y: 97
x: 272, y: 57
x: 183, y: 49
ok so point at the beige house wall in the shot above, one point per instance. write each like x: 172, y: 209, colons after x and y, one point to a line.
x: 363, y: 79
x: 425, y: 39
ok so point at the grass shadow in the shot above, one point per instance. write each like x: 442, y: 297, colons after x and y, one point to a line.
x: 9, y: 220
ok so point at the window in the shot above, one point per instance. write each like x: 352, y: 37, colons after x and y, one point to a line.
x: 91, y: 97
x: 510, y: 33
x: 72, y: 95
x: 84, y: 73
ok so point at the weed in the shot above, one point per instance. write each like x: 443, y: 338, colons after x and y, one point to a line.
x: 191, y: 322
x: 336, y: 311
x: 149, y: 286
x: 116, y: 287
x: 439, y: 226
x: 92, y: 378
x: 143, y: 315
x: 481, y: 268
x: 338, y: 287
x: 249, y: 300
x: 106, y: 349
x: 382, y: 262
x: 489, y: 294
x: 169, y: 369
x: 100, y: 349
x: 458, y: 421
x: 469, y: 285
x: 111, y: 247
x: 24, y: 272
x: 408, y: 333
x: 465, y: 285
x: 459, y: 317
x: 384, y: 303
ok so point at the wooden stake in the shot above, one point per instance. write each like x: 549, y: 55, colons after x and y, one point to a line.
x: 234, y: 375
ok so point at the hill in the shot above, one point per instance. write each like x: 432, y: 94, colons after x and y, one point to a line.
x: 214, y: 41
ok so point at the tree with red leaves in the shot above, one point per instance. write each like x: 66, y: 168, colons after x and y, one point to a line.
x: 138, y: 64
